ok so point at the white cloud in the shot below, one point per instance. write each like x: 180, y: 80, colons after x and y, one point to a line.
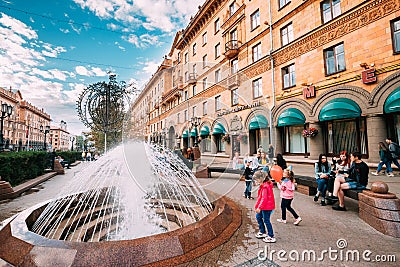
x: 81, y: 70
x: 165, y: 15
x: 93, y: 71
x: 150, y: 67
x: 144, y: 40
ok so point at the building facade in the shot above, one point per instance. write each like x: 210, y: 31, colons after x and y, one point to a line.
x: 266, y: 72
x: 60, y: 138
x: 24, y: 129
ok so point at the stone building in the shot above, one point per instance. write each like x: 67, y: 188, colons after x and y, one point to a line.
x: 261, y: 72
x: 60, y: 137
x: 24, y: 129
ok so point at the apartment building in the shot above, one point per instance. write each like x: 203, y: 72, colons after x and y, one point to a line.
x: 24, y: 128
x: 245, y: 74
x: 60, y: 138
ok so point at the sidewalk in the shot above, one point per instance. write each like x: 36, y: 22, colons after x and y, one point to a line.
x: 321, y: 229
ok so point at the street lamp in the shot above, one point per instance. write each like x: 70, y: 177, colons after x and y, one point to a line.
x: 46, y: 131
x: 195, y: 122
x: 72, y: 141
x: 6, y: 110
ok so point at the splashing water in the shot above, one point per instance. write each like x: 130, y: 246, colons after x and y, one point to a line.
x: 135, y: 190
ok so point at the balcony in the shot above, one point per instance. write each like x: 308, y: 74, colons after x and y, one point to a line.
x: 233, y: 81
x: 232, y: 49
x: 192, y: 79
x: 178, y: 83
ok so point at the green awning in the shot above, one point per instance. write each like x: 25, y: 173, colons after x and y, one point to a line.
x: 392, y: 103
x: 340, y: 108
x: 193, y: 132
x: 204, y: 131
x: 258, y: 122
x: 185, y: 134
x: 291, y: 116
x: 219, y: 129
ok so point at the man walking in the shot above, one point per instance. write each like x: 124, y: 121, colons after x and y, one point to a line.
x: 394, y: 150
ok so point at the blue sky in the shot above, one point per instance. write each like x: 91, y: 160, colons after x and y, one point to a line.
x: 52, y: 50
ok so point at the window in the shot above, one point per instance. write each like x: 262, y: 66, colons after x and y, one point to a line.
x: 234, y: 66
x: 194, y: 49
x: 232, y: 9
x: 186, y: 95
x: 178, y: 118
x: 194, y: 89
x: 204, y: 83
x: 334, y: 59
x: 330, y: 10
x: 395, y: 25
x: 179, y: 57
x: 220, y: 144
x: 256, y: 52
x: 186, y: 76
x: 186, y: 57
x: 217, y: 50
x: 255, y: 19
x: 217, y: 103
x: 283, y: 3
x: 235, y: 96
x: 194, y: 111
x: 205, y: 108
x: 194, y: 69
x: 216, y: 26
x: 233, y: 35
x: 257, y: 88
x: 204, y: 61
x: 185, y: 113
x: 289, y: 76
x: 287, y: 34
x: 204, y: 38
x: 217, y: 76
x: 294, y: 142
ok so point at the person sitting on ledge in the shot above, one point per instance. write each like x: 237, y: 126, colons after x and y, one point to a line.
x: 356, y: 178
x: 63, y: 162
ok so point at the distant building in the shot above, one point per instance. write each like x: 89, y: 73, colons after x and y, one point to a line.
x: 22, y: 130
x: 60, y: 137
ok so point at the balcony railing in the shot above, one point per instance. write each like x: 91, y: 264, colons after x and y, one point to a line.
x: 192, y: 78
x: 232, y: 48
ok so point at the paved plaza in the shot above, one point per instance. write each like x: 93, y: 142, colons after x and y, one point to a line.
x: 336, y: 238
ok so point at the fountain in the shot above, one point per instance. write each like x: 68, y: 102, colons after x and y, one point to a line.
x: 137, y: 205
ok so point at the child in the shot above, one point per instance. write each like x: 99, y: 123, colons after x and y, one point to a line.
x: 264, y: 206
x: 287, y: 193
x: 248, y: 177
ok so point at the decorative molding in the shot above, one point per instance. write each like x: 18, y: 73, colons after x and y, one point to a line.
x: 258, y: 68
x: 355, y: 20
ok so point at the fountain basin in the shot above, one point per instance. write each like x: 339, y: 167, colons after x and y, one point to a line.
x: 22, y: 247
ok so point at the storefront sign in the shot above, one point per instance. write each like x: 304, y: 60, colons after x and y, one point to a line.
x: 239, y: 108
x: 309, y: 92
x: 368, y: 76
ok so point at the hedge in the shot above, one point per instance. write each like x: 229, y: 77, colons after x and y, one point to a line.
x: 18, y: 167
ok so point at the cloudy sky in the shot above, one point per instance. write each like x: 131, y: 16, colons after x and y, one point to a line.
x: 52, y: 50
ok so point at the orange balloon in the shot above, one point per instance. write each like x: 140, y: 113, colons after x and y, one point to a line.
x: 276, y: 173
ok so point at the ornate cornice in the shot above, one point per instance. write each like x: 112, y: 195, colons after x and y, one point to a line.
x: 258, y: 68
x: 355, y: 20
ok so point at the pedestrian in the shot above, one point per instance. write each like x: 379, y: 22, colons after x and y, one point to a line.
x: 287, y: 187
x: 386, y: 159
x: 271, y: 154
x: 264, y: 207
x: 280, y: 161
x: 88, y: 156
x: 248, y: 177
x: 190, y: 154
x: 322, y: 170
x: 83, y: 155
x: 236, y: 162
x: 395, y: 150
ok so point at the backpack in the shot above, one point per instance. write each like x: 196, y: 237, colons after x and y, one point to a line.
x: 396, y: 150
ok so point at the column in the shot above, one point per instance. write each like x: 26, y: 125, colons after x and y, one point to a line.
x: 316, y: 142
x: 213, y: 145
x: 376, y: 132
x: 277, y: 143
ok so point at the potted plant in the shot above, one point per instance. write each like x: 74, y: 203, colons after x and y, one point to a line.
x: 242, y: 138
x: 310, y: 132
x: 226, y: 138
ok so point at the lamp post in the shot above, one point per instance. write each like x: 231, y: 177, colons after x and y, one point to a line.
x: 46, y: 131
x: 195, y: 122
x: 6, y: 110
x: 72, y: 141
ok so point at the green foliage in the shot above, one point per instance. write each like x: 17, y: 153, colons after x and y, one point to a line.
x: 70, y: 156
x: 17, y: 167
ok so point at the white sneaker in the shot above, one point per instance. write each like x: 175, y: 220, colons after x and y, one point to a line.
x: 269, y: 239
x: 281, y: 221
x: 390, y: 175
x: 375, y: 173
x: 261, y: 235
x: 297, y: 221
